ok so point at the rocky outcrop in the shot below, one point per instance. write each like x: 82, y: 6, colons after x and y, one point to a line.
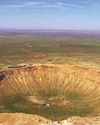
x: 21, y: 119
x: 25, y: 119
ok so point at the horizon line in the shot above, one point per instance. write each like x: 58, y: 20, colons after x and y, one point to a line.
x: 46, y: 29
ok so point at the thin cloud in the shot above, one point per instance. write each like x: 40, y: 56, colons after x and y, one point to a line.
x: 70, y: 5
x: 48, y: 5
x: 22, y: 5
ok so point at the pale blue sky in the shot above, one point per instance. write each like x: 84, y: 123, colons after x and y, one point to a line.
x: 50, y: 14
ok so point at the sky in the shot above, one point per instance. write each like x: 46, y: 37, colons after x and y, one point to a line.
x: 50, y: 14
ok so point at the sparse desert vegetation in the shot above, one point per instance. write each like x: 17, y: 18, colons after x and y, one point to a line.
x: 53, y: 48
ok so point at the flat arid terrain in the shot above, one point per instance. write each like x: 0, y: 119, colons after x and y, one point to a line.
x: 50, y: 78
x: 49, y: 47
